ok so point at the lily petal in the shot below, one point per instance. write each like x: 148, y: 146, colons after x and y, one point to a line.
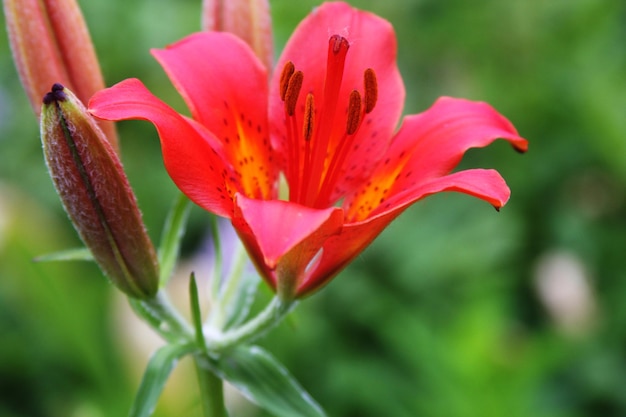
x: 284, y: 237
x: 450, y: 127
x: 372, y: 45
x: 486, y: 184
x: 226, y: 92
x: 190, y: 160
x: 340, y: 250
x: 430, y: 145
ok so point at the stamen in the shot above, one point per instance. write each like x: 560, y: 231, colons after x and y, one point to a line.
x: 371, y: 89
x: 308, y: 128
x: 288, y: 71
x: 309, y: 120
x: 290, y: 86
x: 293, y: 91
x: 354, y: 112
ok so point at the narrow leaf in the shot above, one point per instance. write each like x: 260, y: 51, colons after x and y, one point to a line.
x: 196, y: 313
x: 240, y: 288
x: 239, y: 303
x: 77, y: 254
x: 216, y: 285
x: 172, y: 235
x: 263, y: 380
x: 159, y: 368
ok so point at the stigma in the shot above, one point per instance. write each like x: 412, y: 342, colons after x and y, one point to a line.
x: 317, y: 146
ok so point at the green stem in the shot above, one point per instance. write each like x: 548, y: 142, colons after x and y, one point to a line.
x: 216, y: 285
x: 230, y: 289
x: 264, y: 321
x: 211, y: 390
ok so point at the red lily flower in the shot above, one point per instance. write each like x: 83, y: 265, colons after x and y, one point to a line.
x: 327, y: 122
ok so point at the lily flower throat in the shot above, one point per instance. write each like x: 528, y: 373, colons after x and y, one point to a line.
x: 315, y: 158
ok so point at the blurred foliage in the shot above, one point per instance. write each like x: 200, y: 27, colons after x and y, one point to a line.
x: 445, y: 315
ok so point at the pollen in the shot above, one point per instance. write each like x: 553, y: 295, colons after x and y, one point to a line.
x: 293, y: 91
x: 309, y: 117
x: 354, y: 112
x: 371, y: 89
x: 288, y: 71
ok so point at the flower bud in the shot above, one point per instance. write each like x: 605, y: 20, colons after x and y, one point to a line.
x: 248, y: 19
x: 51, y: 44
x: 95, y: 192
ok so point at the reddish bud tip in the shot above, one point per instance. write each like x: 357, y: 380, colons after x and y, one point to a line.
x: 56, y: 94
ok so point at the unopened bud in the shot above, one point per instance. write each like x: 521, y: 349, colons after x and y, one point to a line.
x: 50, y: 43
x: 95, y: 192
x: 250, y: 20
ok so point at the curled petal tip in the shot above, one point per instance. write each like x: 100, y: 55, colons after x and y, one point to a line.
x: 521, y: 148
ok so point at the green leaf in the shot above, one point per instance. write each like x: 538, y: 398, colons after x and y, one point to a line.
x: 172, y: 235
x: 238, y: 293
x: 159, y: 368
x: 196, y: 313
x: 238, y: 304
x: 266, y: 382
x: 76, y: 254
x: 234, y: 294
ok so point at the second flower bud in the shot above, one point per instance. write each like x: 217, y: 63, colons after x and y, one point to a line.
x: 96, y: 195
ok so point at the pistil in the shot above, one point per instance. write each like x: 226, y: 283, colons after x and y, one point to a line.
x: 337, y: 51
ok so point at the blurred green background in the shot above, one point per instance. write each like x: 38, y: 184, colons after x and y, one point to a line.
x: 454, y: 311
